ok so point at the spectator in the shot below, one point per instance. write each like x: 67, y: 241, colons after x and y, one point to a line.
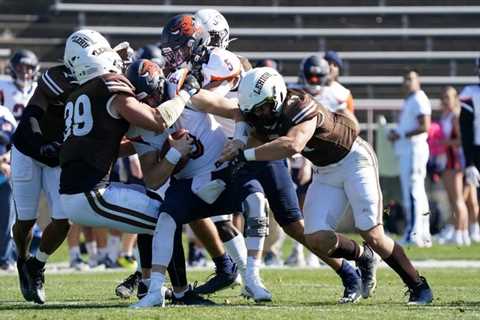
x: 336, y: 64
x: 450, y: 166
x: 410, y: 139
x: 7, y: 218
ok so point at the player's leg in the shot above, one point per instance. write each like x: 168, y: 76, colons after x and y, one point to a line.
x: 324, y: 206
x: 225, y: 268
x: 73, y: 242
x: 126, y: 258
x: 26, y: 187
x: 362, y: 187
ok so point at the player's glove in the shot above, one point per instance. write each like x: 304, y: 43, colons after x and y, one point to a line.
x: 191, y: 85
x: 472, y: 176
x: 236, y: 164
x: 50, y: 150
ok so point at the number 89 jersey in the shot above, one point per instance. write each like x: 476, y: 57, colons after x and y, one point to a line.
x: 92, y: 133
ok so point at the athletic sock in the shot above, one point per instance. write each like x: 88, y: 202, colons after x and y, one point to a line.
x: 238, y: 251
x: 157, y: 280
x: 74, y: 253
x: 400, y: 263
x: 347, y: 272
x: 346, y: 248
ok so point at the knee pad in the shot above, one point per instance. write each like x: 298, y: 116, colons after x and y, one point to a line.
x: 255, y: 208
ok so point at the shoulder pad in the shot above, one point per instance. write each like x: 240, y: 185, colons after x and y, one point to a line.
x: 222, y: 65
x: 57, y: 82
x: 175, y: 81
x: 299, y: 107
x: 118, y: 83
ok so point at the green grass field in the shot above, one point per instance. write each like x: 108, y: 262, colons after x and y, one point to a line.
x: 298, y: 294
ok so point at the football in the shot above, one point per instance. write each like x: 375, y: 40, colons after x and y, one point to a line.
x: 179, y: 134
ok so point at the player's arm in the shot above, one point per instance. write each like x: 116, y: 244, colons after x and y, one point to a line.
x: 214, y: 103
x: 126, y: 148
x: 143, y: 116
x: 156, y: 171
x: 423, y: 126
x: 283, y: 147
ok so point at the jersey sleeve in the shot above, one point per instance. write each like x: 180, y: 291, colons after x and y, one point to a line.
x: 56, y: 84
x: 423, y: 105
x: 300, y: 107
x: 118, y: 84
x: 222, y: 65
x: 145, y: 141
x: 175, y: 81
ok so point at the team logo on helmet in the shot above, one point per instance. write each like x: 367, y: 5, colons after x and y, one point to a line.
x: 185, y: 26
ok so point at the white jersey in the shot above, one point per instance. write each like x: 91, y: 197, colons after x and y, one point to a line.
x: 335, y: 97
x: 13, y: 98
x: 470, y: 101
x: 415, y: 105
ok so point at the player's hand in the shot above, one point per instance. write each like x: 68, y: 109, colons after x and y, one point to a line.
x: 125, y: 52
x: 5, y: 169
x: 393, y: 136
x: 183, y: 145
x: 231, y: 150
x: 191, y: 85
x: 50, y: 150
x: 472, y: 176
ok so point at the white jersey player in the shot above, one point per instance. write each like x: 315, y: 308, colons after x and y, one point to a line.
x: 15, y: 92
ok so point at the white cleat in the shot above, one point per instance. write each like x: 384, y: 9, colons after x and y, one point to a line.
x: 238, y: 282
x: 152, y: 299
x: 255, y: 290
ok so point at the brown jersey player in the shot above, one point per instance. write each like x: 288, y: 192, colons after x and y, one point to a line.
x: 35, y: 167
x: 345, y: 173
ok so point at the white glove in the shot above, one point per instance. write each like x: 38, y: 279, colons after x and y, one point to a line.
x: 472, y: 176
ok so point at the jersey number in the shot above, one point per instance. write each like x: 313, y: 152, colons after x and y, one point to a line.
x: 78, y: 117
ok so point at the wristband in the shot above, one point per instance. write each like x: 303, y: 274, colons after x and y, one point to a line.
x: 241, y: 131
x: 249, y: 154
x: 173, y: 156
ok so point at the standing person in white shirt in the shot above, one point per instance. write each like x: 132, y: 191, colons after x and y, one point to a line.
x: 410, y: 141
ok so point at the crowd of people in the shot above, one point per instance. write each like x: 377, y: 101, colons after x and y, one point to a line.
x: 130, y: 149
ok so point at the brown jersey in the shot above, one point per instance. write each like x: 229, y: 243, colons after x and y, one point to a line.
x: 335, y: 132
x: 56, y: 85
x: 92, y: 133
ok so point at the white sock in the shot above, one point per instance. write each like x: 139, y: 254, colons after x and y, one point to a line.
x: 253, y: 267
x: 41, y: 256
x: 157, y: 280
x: 113, y: 247
x: 91, y: 249
x: 74, y: 252
x: 466, y: 237
x: 255, y: 243
x: 474, y: 229
x: 236, y: 249
x: 458, y: 237
x: 137, y: 258
x: 102, y: 253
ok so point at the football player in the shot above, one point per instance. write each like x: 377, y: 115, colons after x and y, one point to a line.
x: 219, y: 71
x: 345, y: 172
x: 277, y: 183
x: 23, y: 68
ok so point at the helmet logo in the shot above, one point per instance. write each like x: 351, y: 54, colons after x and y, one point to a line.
x: 185, y: 27
x: 82, y: 42
x: 149, y: 70
x: 261, y: 81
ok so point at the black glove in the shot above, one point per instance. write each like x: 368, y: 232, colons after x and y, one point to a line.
x: 191, y: 85
x: 236, y: 164
x: 50, y: 150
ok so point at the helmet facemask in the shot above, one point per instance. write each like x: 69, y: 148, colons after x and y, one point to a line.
x: 264, y: 115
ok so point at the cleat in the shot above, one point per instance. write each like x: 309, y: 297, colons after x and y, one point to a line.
x: 255, y: 290
x: 107, y: 263
x: 313, y: 261
x: 36, y: 274
x: 127, y: 262
x: 220, y: 281
x: 127, y: 288
x: 142, y: 288
x: 78, y: 264
x: 296, y: 259
x: 353, y: 290
x: 151, y: 299
x: 368, y: 271
x: 24, y: 280
x: 421, y: 294
x: 272, y: 260
x: 190, y: 298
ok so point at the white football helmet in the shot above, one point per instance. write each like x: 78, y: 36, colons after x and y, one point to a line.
x: 216, y: 25
x: 262, y: 88
x: 88, y: 55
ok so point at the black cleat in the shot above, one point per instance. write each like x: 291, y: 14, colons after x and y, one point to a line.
x: 24, y: 279
x: 127, y: 288
x: 353, y: 290
x: 192, y: 298
x: 367, y: 265
x: 421, y: 294
x: 142, y: 290
x: 220, y: 281
x: 36, y: 274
